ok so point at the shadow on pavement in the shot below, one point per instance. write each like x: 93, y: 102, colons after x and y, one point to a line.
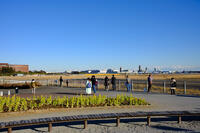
x: 188, y: 96
x: 167, y: 128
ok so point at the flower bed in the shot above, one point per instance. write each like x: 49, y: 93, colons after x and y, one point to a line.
x: 16, y: 103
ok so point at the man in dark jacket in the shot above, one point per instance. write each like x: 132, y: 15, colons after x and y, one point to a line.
x: 61, y: 80
x: 149, y: 80
x: 113, y: 82
x: 106, y: 83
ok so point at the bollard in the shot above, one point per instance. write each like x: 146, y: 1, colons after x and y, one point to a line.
x: 117, y: 121
x: 85, y: 124
x: 148, y: 120
x: 8, y: 92
x: 49, y: 127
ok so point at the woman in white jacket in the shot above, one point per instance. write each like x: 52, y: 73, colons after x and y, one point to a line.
x: 88, y: 86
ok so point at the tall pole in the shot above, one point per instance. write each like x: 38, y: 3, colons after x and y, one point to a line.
x: 185, y: 87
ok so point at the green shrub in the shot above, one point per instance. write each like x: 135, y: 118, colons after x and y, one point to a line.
x: 8, y: 104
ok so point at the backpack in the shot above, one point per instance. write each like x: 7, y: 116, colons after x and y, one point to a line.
x: 88, y: 85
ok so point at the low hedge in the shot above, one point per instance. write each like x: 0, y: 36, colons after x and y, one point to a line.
x: 16, y: 103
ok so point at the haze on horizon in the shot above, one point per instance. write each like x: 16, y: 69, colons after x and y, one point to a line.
x: 79, y: 35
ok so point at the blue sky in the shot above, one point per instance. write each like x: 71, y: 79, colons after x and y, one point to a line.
x: 59, y: 35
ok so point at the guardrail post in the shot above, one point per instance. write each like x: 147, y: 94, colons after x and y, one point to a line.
x: 85, y: 124
x: 50, y: 127
x: 117, y: 121
x: 9, y: 130
x: 132, y: 85
x: 8, y: 92
x: 148, y: 120
x: 179, y: 119
x: 119, y: 85
x: 164, y: 85
x: 185, y: 87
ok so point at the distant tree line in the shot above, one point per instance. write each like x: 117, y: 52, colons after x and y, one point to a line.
x: 8, y: 71
x: 37, y: 72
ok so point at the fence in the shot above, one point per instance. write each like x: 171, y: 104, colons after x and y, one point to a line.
x: 160, y: 86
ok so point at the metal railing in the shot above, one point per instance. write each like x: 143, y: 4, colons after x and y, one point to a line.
x: 160, y: 86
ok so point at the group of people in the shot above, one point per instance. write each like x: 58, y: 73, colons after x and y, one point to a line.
x: 172, y: 84
x: 92, y: 84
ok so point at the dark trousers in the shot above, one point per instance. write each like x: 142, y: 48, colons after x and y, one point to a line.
x: 172, y: 91
x: 114, y: 86
x: 149, y: 87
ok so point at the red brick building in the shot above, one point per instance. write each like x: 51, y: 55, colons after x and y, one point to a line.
x: 22, y: 68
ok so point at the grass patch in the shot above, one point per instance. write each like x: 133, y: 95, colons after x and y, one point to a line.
x: 16, y: 103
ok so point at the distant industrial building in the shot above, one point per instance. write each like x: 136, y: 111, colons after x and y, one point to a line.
x: 17, y: 68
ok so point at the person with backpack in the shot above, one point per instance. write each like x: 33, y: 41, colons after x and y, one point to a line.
x: 173, y: 86
x: 93, y: 79
x: 88, y: 86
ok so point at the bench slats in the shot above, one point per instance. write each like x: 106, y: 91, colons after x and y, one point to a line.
x: 97, y: 116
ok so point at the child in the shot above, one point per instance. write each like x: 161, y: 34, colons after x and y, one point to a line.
x: 88, y: 86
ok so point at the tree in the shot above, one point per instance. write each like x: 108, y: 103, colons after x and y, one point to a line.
x: 7, y: 70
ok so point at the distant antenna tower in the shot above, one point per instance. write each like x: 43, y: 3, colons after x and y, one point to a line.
x: 120, y: 69
x: 140, y: 68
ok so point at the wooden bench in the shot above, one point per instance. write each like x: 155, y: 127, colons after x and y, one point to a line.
x: 9, y: 125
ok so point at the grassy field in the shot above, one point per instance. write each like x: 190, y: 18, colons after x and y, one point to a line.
x: 194, y: 77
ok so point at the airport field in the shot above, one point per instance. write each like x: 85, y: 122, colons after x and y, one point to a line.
x: 194, y: 77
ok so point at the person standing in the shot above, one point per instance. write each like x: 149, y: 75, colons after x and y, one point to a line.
x: 88, y: 86
x: 61, y: 80
x: 113, y: 82
x: 173, y: 86
x: 128, y: 83
x: 93, y: 79
x: 67, y: 82
x: 149, y: 80
x: 106, y: 84
x: 33, y: 86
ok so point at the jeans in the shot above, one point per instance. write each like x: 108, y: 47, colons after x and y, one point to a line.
x: 128, y: 86
x: 94, y: 89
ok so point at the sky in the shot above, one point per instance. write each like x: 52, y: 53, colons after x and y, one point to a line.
x: 64, y: 35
